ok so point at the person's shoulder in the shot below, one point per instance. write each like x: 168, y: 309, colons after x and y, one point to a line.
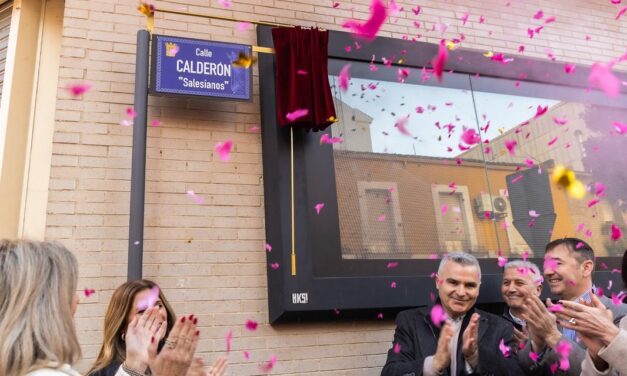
x: 491, y: 317
x: 617, y: 309
x: 63, y: 371
x: 412, y: 314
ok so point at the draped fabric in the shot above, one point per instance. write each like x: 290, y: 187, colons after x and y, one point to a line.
x: 302, y: 79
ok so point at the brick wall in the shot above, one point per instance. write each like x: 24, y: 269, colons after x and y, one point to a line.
x: 210, y: 258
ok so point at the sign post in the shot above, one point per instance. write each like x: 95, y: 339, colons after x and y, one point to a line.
x: 180, y: 67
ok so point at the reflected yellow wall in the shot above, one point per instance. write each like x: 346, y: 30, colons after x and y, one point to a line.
x: 415, y: 177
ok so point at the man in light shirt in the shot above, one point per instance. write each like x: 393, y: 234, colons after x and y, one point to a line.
x: 468, y: 340
x: 568, y: 268
x: 521, y: 279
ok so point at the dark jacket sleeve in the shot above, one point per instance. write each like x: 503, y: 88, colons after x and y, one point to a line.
x: 408, y: 361
x: 491, y: 360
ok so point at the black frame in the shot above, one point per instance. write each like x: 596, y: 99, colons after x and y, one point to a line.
x: 367, y: 292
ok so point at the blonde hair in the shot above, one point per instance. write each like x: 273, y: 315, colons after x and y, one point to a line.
x: 37, y: 285
x: 113, y: 346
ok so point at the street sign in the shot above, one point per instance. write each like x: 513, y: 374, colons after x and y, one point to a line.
x: 193, y: 67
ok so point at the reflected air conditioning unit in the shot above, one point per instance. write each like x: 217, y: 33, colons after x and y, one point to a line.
x: 496, y: 206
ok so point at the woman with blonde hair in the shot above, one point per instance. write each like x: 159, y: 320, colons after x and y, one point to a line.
x: 38, y: 283
x: 130, y: 301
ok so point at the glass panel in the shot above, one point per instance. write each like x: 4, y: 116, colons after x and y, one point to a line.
x: 530, y: 136
x: 404, y: 188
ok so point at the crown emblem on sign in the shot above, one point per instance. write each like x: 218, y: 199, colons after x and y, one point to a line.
x: 171, y: 49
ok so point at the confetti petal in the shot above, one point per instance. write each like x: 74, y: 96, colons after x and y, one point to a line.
x: 244, y: 26
x: 616, y: 232
x: 511, y: 146
x: 438, y: 316
x: 274, y: 265
x: 251, y: 325
x: 79, y: 88
x: 344, y: 77
x: 149, y: 300
x: 228, y: 338
x: 620, y: 127
x: 392, y: 265
x: 319, y: 207
x: 89, y: 292
x: 601, y: 76
x: 397, y: 348
x: 291, y: 116
x: 401, y: 125
x: 224, y: 150
x: 505, y: 350
x: 439, y: 61
x: 269, y: 365
x: 369, y: 29
x: 569, y: 68
x: 268, y: 247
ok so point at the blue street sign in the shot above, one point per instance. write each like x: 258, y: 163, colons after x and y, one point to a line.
x: 184, y: 66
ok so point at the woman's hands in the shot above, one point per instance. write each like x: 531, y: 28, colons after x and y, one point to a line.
x: 198, y: 368
x: 138, y: 338
x: 176, y: 356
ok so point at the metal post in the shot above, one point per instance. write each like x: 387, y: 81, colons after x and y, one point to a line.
x: 138, y: 164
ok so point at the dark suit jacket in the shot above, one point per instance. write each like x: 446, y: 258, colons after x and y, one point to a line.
x: 508, y: 317
x: 418, y: 338
x: 577, y: 353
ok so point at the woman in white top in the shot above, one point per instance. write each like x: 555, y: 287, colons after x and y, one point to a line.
x: 38, y: 283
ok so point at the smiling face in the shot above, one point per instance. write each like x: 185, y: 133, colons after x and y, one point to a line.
x: 458, y: 287
x: 517, y: 286
x: 565, y: 274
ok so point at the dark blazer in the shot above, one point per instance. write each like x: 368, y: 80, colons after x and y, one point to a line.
x: 508, y: 317
x: 418, y: 338
x: 577, y: 353
x: 109, y: 370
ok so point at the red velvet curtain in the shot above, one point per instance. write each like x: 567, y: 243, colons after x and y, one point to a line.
x: 302, y: 79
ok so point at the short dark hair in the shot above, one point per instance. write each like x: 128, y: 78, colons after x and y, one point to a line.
x: 623, y: 271
x: 580, y: 248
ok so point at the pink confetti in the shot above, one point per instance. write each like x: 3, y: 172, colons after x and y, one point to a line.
x: 224, y: 150
x: 505, y: 350
x: 533, y: 214
x: 444, y: 209
x: 511, y: 146
x: 369, y: 29
x: 599, y: 188
x: 344, y: 78
x: 534, y: 356
x: 501, y: 261
x: 244, y: 26
x: 319, y: 207
x: 267, y: 366
x: 416, y: 10
x: 553, y: 367
x: 439, y: 61
x: 380, y: 316
x: 616, y: 232
x: 525, y: 255
x: 79, y: 88
x: 392, y: 265
x: 579, y: 245
x: 292, y: 116
x: 618, y: 298
x: 556, y: 308
x: 560, y: 121
x: 563, y: 348
x: 401, y: 125
x: 552, y: 141
x: 517, y: 179
x: 326, y: 139
x: 601, y: 76
x: 393, y: 285
x: 274, y: 265
x: 470, y: 137
x: 529, y: 162
x: 268, y: 247
x: 402, y: 74
x: 130, y: 112
x: 438, y: 315
x: 591, y: 203
x: 155, y: 122
x: 149, y: 300
x: 539, y: 14
x: 198, y: 199
x: 381, y: 218
x: 397, y: 348
x: 89, y: 292
x: 254, y: 128
x: 569, y: 68
x: 550, y: 19
x: 302, y: 72
x: 541, y: 111
x: 228, y: 338
x: 246, y: 355
x: 621, y: 12
x: 464, y: 18
x: 225, y: 3
x: 549, y: 264
x: 620, y: 127
x: 251, y: 325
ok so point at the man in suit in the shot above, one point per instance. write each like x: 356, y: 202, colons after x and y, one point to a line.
x: 468, y: 341
x: 521, y: 279
x: 568, y: 267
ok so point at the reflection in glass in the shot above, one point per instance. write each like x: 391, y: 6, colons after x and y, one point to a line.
x: 407, y: 187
